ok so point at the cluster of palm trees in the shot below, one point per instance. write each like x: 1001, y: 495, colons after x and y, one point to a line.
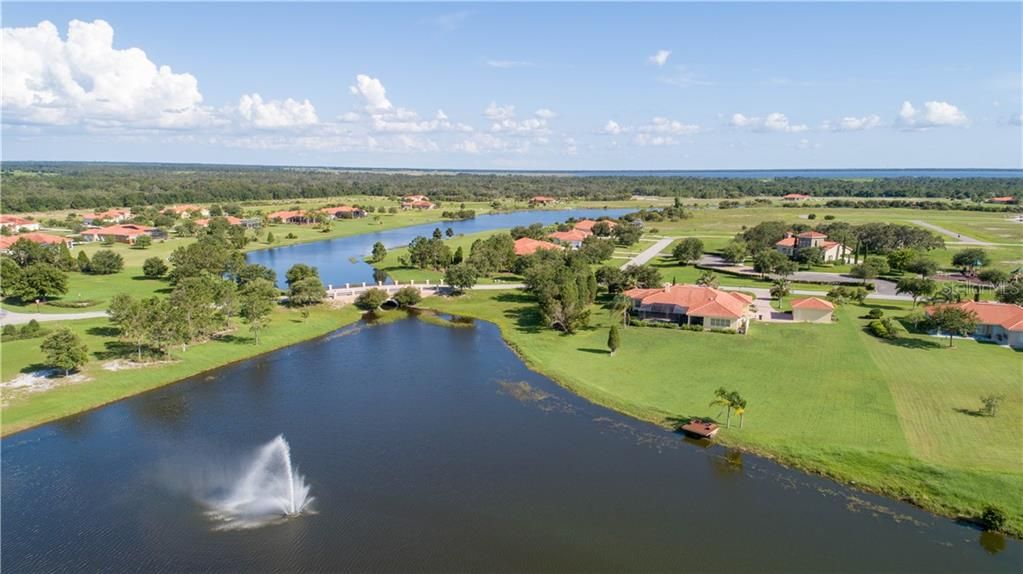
x: 730, y: 400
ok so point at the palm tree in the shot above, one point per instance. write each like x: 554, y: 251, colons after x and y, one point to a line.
x: 708, y: 279
x: 621, y: 305
x: 947, y: 294
x: 739, y: 404
x: 779, y: 289
x: 723, y: 399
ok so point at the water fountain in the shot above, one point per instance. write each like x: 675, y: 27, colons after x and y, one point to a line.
x: 269, y: 488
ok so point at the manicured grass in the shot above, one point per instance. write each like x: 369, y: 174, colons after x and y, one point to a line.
x: 24, y: 410
x: 888, y: 416
x: 403, y: 274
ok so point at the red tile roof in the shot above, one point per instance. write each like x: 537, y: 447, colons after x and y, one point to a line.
x: 696, y: 300
x: 418, y: 203
x: 542, y: 198
x: 795, y: 196
x: 570, y: 236
x: 232, y: 220
x: 587, y: 224
x: 130, y: 230
x: 1003, y: 199
x: 813, y: 303
x: 787, y: 242
x: 529, y: 246
x: 15, y: 220
x: 42, y: 238
x: 339, y: 209
x: 412, y: 198
x: 1009, y: 317
x: 111, y: 214
x: 285, y: 215
x: 185, y: 208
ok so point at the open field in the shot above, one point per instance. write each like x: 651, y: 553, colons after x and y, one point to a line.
x: 102, y: 385
x: 894, y: 417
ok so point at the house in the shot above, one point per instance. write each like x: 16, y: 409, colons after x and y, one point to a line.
x: 186, y: 210
x: 15, y: 224
x: 833, y: 251
x: 795, y: 197
x: 417, y: 204
x: 812, y: 310
x: 289, y: 217
x: 344, y: 212
x: 40, y: 238
x: 1000, y: 323
x: 231, y: 220
x: 126, y: 233
x: 542, y: 200
x: 693, y: 305
x: 587, y: 224
x: 412, y: 198
x: 573, y: 238
x: 529, y: 246
x: 1003, y: 199
x: 115, y: 215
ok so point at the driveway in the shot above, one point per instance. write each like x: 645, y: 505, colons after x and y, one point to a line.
x: 12, y: 318
x: 962, y: 239
x: 881, y: 286
x: 649, y: 253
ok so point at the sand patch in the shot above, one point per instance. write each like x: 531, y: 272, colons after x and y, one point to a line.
x: 38, y: 381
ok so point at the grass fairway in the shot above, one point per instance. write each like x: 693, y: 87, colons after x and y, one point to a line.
x: 403, y: 274
x: 891, y: 417
x: 23, y: 410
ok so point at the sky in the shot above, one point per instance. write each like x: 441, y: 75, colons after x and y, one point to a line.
x: 516, y: 86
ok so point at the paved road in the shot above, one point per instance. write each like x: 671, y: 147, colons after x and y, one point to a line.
x: 12, y: 318
x: 963, y: 239
x: 649, y: 253
x: 881, y: 286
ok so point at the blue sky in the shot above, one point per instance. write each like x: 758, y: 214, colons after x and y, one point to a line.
x: 522, y: 86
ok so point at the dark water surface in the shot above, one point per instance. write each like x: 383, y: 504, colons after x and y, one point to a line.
x: 433, y: 448
x: 340, y: 260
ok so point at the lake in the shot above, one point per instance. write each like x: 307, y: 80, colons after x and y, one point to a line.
x: 340, y: 260
x: 433, y: 448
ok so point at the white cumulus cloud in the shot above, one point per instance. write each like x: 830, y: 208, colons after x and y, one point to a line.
x: 773, y: 122
x: 853, y: 123
x: 372, y: 91
x: 276, y: 113
x: 84, y: 79
x: 496, y: 112
x: 660, y: 58
x: 934, y: 114
x: 612, y: 127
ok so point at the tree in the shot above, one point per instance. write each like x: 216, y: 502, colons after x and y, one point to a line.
x: 602, y: 229
x: 495, y: 253
x: 458, y: 257
x: 947, y: 294
x: 995, y: 277
x: 779, y: 289
x: 688, y: 250
x: 460, y: 277
x: 306, y: 291
x: 723, y: 399
x: 708, y: 279
x: 211, y: 254
x: 739, y: 404
x: 437, y: 233
x: 613, y: 339
x: 735, y: 252
x: 917, y: 287
x: 154, y: 268
x: 953, y: 320
x: 106, y: 263
x: 429, y: 253
x: 968, y: 260
x: 901, y: 258
x: 842, y: 295
x: 408, y: 296
x: 620, y: 305
x: 143, y: 242
x: 991, y: 403
x: 300, y: 271
x: 371, y: 299
x: 449, y: 232
x: 596, y: 250
x: 25, y: 252
x: 879, y: 263
x: 864, y: 271
x: 768, y: 261
x: 270, y: 237
x: 809, y: 256
x: 10, y: 276
x: 993, y: 518
x: 64, y: 350
x: 252, y: 271
x: 132, y: 317
x: 379, y: 252
x: 1012, y: 292
x: 922, y: 266
x: 626, y: 233
x: 37, y: 281
x: 83, y: 262
x: 256, y: 300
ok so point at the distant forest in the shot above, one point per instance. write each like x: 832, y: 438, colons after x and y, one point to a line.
x: 31, y: 186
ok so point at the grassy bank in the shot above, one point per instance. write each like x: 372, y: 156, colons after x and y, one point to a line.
x: 101, y: 385
x: 892, y: 417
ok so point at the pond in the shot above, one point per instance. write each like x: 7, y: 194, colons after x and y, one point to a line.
x: 340, y: 260
x: 434, y: 448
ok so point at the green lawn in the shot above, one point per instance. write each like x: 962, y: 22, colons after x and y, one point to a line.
x: 22, y: 410
x: 403, y: 274
x: 892, y: 417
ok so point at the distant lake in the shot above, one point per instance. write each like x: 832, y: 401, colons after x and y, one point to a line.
x: 333, y: 257
x: 434, y: 449
x: 731, y: 173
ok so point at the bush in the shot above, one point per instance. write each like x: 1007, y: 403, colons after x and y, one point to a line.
x: 371, y: 299
x: 407, y: 296
x: 9, y: 332
x: 73, y: 303
x: 154, y: 268
x: 106, y: 263
x: 993, y: 518
x: 878, y: 329
x: 875, y: 313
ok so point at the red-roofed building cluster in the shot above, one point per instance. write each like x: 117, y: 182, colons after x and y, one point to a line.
x: 1001, y: 323
x: 791, y: 244
x: 693, y: 305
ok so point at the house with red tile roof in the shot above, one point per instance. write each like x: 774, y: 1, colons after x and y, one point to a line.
x: 289, y: 217
x: 587, y: 224
x: 1003, y: 199
x: 795, y: 197
x: 15, y: 223
x: 812, y: 310
x: 1000, y: 323
x: 115, y: 215
x: 529, y: 246
x: 417, y: 203
x: 573, y: 237
x: 126, y: 233
x: 411, y: 198
x: 693, y: 305
x: 344, y: 212
x: 187, y: 209
x: 40, y: 238
x: 542, y: 200
x: 231, y: 220
x: 791, y: 244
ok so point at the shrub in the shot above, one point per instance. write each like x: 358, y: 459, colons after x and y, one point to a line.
x: 993, y: 518
x: 106, y: 263
x: 878, y: 329
x: 154, y: 268
x: 9, y: 331
x: 407, y: 296
x: 371, y: 299
x: 875, y: 313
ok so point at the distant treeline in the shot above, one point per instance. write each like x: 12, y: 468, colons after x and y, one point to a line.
x: 32, y: 186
